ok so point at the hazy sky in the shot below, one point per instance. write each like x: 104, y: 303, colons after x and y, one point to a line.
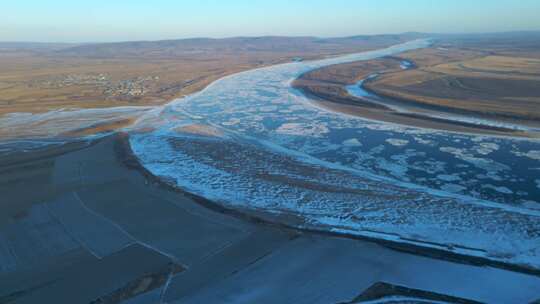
x: 113, y: 20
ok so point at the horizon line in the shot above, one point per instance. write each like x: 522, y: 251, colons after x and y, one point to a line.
x: 271, y: 36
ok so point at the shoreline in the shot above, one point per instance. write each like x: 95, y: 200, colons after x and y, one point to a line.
x: 412, y: 121
x: 131, y: 161
x: 334, y: 96
x: 496, y: 118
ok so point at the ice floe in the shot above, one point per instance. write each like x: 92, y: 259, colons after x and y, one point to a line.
x: 503, y: 190
x: 487, y: 148
x: 302, y: 129
x: 353, y: 142
x: 397, y: 142
x: 533, y: 154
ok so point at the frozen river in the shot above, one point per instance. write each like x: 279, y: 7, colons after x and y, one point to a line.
x: 251, y: 141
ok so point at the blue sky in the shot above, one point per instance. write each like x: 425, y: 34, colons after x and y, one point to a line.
x: 108, y: 20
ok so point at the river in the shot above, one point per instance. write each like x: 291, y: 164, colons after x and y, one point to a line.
x: 250, y: 141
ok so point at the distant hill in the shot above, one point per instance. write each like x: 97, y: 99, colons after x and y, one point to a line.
x: 33, y: 46
x: 273, y: 44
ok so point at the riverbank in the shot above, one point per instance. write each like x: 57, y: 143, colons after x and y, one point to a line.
x: 349, y: 89
x: 101, y: 207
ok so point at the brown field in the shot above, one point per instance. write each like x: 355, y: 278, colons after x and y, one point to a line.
x: 40, y: 77
x: 328, y: 91
x: 38, y: 84
x: 478, y: 80
x: 329, y: 82
x: 491, y: 86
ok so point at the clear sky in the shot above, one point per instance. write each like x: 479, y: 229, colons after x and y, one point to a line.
x: 120, y: 20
